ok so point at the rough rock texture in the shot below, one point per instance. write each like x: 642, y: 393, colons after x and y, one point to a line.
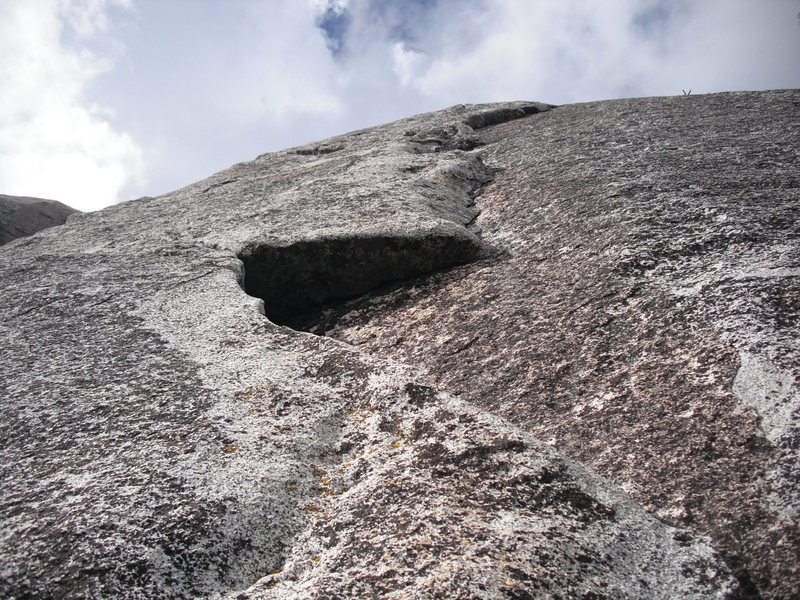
x: 640, y: 312
x: 22, y: 216
x: 162, y: 438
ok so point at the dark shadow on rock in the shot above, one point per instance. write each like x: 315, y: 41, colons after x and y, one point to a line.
x: 309, y: 275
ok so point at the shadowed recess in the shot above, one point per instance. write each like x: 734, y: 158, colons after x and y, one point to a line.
x: 307, y: 275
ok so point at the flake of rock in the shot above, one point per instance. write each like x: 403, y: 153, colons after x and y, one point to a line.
x: 22, y: 216
x: 163, y: 438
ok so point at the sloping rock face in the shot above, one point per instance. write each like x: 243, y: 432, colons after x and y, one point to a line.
x: 22, y: 216
x: 640, y: 310
x: 168, y: 432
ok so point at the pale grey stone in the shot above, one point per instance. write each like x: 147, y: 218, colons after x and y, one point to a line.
x: 163, y: 438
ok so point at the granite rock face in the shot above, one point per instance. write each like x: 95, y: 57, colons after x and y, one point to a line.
x: 641, y: 310
x: 22, y: 216
x: 486, y: 277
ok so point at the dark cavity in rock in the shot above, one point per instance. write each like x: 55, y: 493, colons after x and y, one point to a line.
x: 309, y: 276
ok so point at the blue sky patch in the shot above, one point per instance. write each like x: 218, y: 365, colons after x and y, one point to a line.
x: 334, y: 23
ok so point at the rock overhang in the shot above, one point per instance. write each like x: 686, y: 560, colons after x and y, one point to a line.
x: 298, y: 277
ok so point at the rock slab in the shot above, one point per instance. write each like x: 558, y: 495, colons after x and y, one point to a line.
x: 171, y: 428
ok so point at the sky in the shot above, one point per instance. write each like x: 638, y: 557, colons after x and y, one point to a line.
x: 107, y: 100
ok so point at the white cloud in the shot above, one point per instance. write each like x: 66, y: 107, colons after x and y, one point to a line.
x: 263, y: 77
x: 320, y: 6
x: 202, y: 84
x: 571, y: 50
x: 408, y: 64
x: 284, y: 67
x: 732, y: 45
x: 54, y: 143
x: 87, y: 17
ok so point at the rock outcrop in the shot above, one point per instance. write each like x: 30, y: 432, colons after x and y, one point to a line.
x: 22, y: 216
x: 618, y: 280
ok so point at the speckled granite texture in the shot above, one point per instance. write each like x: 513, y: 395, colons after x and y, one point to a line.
x: 559, y: 361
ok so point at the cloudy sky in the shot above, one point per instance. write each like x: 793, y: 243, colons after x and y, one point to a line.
x: 107, y: 100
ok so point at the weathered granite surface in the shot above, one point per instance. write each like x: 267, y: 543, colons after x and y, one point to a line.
x: 162, y: 438
x: 21, y: 216
x: 641, y: 310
